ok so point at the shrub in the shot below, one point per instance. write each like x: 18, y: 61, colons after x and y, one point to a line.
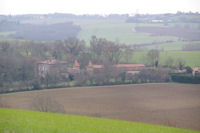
x: 188, y: 69
x: 45, y: 103
x: 185, y: 78
x: 153, y: 75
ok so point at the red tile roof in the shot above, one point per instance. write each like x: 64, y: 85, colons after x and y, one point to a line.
x: 90, y: 64
x: 97, y: 66
x: 52, y: 62
x: 128, y: 65
x: 76, y: 64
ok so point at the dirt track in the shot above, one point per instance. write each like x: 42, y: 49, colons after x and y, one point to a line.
x: 164, y: 104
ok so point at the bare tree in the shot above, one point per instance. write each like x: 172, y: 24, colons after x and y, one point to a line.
x: 74, y: 46
x: 83, y: 59
x: 169, y: 62
x: 128, y: 53
x: 153, y: 56
x: 112, y: 52
x: 103, y: 50
x: 45, y: 103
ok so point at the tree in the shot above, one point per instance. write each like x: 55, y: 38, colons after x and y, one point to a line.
x: 180, y: 63
x: 58, y: 50
x: 153, y: 56
x: 123, y: 76
x: 188, y: 69
x: 74, y: 46
x: 40, y: 49
x: 128, y: 53
x: 83, y: 59
x: 104, y: 51
x: 154, y: 75
x: 96, y: 49
x: 45, y: 103
x: 169, y: 62
x: 27, y: 48
x: 112, y: 52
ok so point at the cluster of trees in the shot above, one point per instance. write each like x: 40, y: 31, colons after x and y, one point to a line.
x: 182, y: 33
x: 18, y: 64
x: 58, y: 31
x: 60, y: 16
x: 185, y: 78
x: 144, y: 18
x: 18, y: 61
x: 15, y: 69
x: 111, y: 76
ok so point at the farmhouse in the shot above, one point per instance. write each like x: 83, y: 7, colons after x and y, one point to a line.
x: 51, y: 67
x: 129, y: 68
x: 91, y: 67
x: 75, y: 69
x: 60, y: 68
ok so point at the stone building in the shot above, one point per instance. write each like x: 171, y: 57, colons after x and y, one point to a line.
x: 129, y: 68
x: 51, y: 67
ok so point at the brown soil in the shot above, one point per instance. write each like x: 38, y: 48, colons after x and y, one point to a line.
x: 175, y: 105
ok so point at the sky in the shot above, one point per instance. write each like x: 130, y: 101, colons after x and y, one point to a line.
x: 102, y: 7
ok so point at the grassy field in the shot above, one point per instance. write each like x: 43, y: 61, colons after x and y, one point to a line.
x: 111, y: 29
x: 191, y: 58
x: 120, y: 32
x: 19, y: 121
x: 177, y: 45
x: 4, y: 34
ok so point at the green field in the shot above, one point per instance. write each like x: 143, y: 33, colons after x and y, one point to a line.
x: 191, y: 58
x: 177, y: 45
x: 19, y: 121
x: 112, y: 29
x: 121, y: 33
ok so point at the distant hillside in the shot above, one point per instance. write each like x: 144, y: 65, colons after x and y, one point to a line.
x: 165, y: 18
x: 179, y: 31
x: 48, y: 32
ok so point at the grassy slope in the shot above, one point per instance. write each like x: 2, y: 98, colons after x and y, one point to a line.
x: 18, y: 121
x: 178, y: 45
x: 117, y: 30
x: 120, y: 32
x: 191, y: 58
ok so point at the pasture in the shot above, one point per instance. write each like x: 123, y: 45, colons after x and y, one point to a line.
x: 121, y: 33
x: 169, y: 104
x: 19, y: 121
x: 191, y: 58
x: 172, y: 46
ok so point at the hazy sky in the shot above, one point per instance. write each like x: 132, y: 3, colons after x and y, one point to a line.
x: 97, y: 6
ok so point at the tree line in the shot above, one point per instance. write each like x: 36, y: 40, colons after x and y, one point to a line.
x: 18, y: 64
x: 43, y: 32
